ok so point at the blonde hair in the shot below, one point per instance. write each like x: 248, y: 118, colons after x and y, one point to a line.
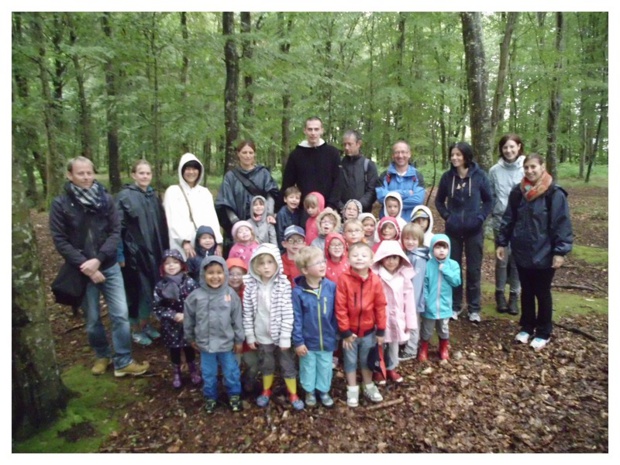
x: 352, y: 221
x: 414, y: 230
x: 326, y: 213
x: 311, y: 200
x: 357, y: 245
x: 137, y: 163
x: 306, y: 255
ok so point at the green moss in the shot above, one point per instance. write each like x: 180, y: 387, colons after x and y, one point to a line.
x: 90, y: 416
x: 591, y: 255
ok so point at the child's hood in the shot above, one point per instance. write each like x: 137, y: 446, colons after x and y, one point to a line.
x: 236, y: 262
x: 387, y: 248
x: 439, y: 238
x: 239, y: 224
x: 393, y: 195
x: 422, y: 252
x: 205, y: 230
x: 187, y: 157
x: 270, y: 249
x: 426, y: 210
x: 174, y: 253
x: 328, y: 212
x: 263, y: 217
x: 320, y: 199
x: 328, y: 240
x: 367, y: 215
x: 388, y: 219
x: 357, y: 203
x: 206, y: 261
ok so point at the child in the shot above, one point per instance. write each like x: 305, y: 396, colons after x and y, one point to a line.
x: 294, y: 240
x: 412, y: 239
x: 204, y: 245
x: 314, y: 203
x: 353, y: 231
x: 387, y: 230
x: 236, y: 270
x: 213, y: 325
x: 360, y: 310
x: 268, y: 320
x: 395, y: 271
x: 393, y: 206
x: 265, y: 231
x: 245, y: 241
x: 369, y: 225
x: 423, y: 216
x: 315, y: 326
x: 168, y: 298
x: 328, y: 221
x: 442, y: 274
x: 351, y: 210
x: 335, y: 256
x: 289, y: 214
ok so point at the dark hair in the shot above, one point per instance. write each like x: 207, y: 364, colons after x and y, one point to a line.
x: 465, y: 149
x: 191, y: 164
x: 243, y: 143
x: 353, y: 133
x: 535, y: 156
x: 513, y: 137
x: 137, y: 163
x: 313, y: 118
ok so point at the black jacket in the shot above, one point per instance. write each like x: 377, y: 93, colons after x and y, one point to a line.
x: 68, y: 222
x: 357, y: 184
x: 536, y: 230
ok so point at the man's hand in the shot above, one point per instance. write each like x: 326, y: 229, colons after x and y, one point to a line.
x: 97, y: 277
x: 219, y: 250
x: 558, y: 261
x: 90, y: 266
x: 188, y: 248
x: 500, y: 253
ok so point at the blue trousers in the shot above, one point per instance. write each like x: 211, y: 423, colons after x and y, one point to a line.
x: 230, y: 370
x: 315, y: 371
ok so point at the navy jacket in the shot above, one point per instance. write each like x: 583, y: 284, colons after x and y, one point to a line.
x: 315, y: 324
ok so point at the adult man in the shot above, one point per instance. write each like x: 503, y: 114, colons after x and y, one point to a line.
x: 313, y: 165
x: 86, y: 229
x: 358, y: 174
x: 402, y: 178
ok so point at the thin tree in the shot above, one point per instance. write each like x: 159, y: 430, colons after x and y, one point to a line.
x: 231, y: 89
x: 555, y: 104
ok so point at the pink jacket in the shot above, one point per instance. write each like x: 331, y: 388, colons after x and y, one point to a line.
x: 244, y: 252
x: 312, y: 229
x: 398, y: 289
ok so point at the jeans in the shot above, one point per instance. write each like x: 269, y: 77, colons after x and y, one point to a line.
x: 315, y: 371
x: 536, y: 285
x: 267, y: 360
x: 361, y: 347
x: 113, y: 291
x: 506, y: 271
x: 230, y: 373
x: 472, y: 246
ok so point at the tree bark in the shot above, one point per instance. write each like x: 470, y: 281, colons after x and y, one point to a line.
x: 231, y: 89
x: 555, y: 104
x: 477, y: 86
x: 285, y: 126
x: 247, y: 53
x: 184, y: 71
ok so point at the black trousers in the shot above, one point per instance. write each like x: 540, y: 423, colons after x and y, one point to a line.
x: 536, y: 286
x: 175, y: 355
x: 473, y: 248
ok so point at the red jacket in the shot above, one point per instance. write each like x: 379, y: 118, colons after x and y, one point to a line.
x: 360, y: 304
x: 290, y: 269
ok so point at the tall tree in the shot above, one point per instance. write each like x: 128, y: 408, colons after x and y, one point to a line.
x: 284, y: 29
x: 555, y: 104
x: 231, y: 89
x: 247, y: 53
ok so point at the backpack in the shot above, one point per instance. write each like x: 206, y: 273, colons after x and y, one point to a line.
x: 366, y: 165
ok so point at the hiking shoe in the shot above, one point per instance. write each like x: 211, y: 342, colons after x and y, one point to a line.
x: 378, y: 378
x: 522, y: 337
x: 455, y: 315
x: 151, y: 332
x: 310, y: 399
x: 474, y: 317
x: 235, y: 403
x: 406, y: 354
x: 500, y: 302
x: 393, y: 375
x: 210, y: 405
x: 133, y: 369
x: 100, y: 366
x: 326, y: 400
x: 353, y: 396
x: 296, y: 402
x: 372, y: 393
x: 513, y: 303
x: 538, y: 343
x: 263, y: 400
x: 141, y: 338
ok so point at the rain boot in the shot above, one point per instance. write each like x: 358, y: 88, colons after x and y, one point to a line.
x: 176, y: 376
x: 423, y: 351
x: 513, y: 303
x: 193, y: 373
x: 444, y: 346
x: 500, y: 302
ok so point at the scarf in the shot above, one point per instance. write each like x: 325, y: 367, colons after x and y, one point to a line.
x: 533, y: 191
x: 93, y: 199
x: 172, y: 288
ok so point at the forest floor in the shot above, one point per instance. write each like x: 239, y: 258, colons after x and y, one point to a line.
x: 493, y: 395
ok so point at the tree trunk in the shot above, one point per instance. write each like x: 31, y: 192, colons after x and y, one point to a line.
x: 477, y: 85
x: 154, y: 81
x: 38, y: 393
x: 231, y: 89
x: 285, y: 126
x: 555, y: 104
x: 247, y: 53
x: 602, y: 116
x: 111, y: 116
x: 184, y: 71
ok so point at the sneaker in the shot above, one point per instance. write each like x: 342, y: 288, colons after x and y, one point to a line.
x: 235, y: 403
x: 393, y: 375
x: 455, y: 315
x: 522, y: 337
x: 378, y: 378
x: 310, y: 399
x: 474, y: 317
x: 296, y: 402
x: 326, y: 400
x: 133, y: 369
x: 538, y: 343
x: 210, y: 405
x: 151, y: 332
x: 372, y: 393
x: 406, y: 354
x: 100, y: 366
x: 263, y: 400
x: 141, y: 338
x: 353, y: 396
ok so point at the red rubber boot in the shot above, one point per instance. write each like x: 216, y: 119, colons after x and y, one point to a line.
x: 423, y: 351
x: 444, y: 346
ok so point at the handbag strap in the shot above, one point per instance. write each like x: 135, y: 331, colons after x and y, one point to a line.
x: 248, y: 184
x: 189, y: 207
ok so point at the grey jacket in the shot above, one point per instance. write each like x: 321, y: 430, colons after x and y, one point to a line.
x: 503, y: 177
x: 265, y: 232
x: 212, y: 317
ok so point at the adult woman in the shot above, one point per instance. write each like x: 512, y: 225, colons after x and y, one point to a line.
x: 537, y: 226
x: 188, y: 206
x: 464, y: 201
x: 240, y: 185
x: 503, y: 176
x: 144, y: 237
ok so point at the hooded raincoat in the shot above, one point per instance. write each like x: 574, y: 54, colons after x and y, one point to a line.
x: 438, y: 283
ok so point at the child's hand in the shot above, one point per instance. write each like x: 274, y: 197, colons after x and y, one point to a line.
x: 271, y: 219
x: 380, y: 339
x: 252, y: 345
x: 440, y: 266
x: 195, y: 346
x: 347, y: 343
x: 219, y: 250
x: 178, y: 317
x: 301, y: 351
x: 238, y: 348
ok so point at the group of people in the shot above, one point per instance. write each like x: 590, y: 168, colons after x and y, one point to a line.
x: 263, y: 275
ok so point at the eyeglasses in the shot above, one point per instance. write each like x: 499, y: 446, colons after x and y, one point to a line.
x: 336, y: 246
x: 322, y: 262
x: 295, y: 241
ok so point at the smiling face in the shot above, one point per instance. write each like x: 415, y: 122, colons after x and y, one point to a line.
x: 360, y: 258
x: 214, y: 275
x: 293, y: 244
x: 388, y: 232
x: 258, y: 209
x: 336, y: 249
x: 313, y: 132
x: 292, y: 201
x: 247, y: 157
x: 411, y: 242
x: 457, y: 158
x: 353, y: 233
x: 511, y: 151
x: 82, y: 174
x: 172, y: 266
x: 401, y: 153
x: 235, y: 277
x: 191, y: 175
x: 206, y: 241
x: 142, y: 175
x: 351, y: 211
x: 533, y: 170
